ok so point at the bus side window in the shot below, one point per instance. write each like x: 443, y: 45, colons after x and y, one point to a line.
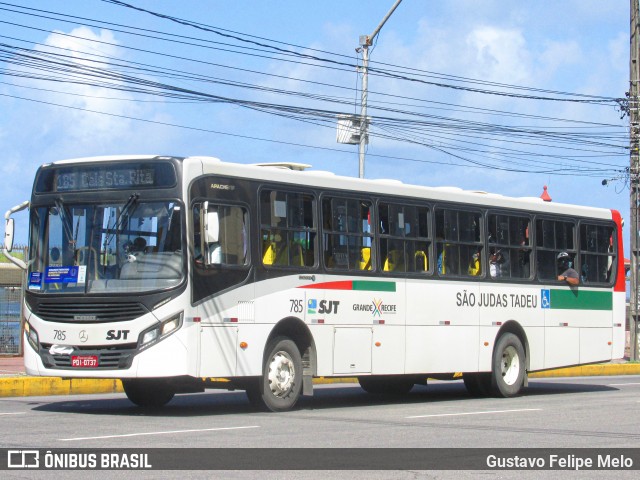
x: 404, y: 238
x: 347, y: 233
x: 459, y: 246
x: 597, y: 253
x: 288, y: 229
x: 553, y: 237
x: 231, y: 245
x: 509, y: 246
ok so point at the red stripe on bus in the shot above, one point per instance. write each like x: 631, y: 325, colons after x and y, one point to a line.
x: 341, y: 285
x: 620, y: 279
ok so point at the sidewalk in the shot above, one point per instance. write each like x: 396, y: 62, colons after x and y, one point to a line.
x: 14, y: 382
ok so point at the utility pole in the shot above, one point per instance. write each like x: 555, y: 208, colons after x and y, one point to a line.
x: 634, y: 174
x: 365, y: 42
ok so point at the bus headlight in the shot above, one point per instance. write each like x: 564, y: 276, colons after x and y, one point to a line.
x: 158, y: 332
x: 32, y: 336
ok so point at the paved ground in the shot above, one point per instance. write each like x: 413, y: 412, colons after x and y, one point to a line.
x: 11, y: 366
x: 552, y: 414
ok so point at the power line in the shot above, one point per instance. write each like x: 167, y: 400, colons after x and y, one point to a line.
x: 589, y: 99
x: 281, y: 142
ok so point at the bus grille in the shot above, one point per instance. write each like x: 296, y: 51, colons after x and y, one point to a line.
x: 109, y: 358
x: 89, y: 313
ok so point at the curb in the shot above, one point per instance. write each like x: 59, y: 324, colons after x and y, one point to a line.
x: 25, y: 386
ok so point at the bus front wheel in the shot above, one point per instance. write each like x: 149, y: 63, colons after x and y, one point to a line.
x: 279, y: 387
x: 148, y: 392
x: 507, y: 374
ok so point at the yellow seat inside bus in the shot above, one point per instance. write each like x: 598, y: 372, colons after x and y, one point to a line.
x: 420, y: 261
x: 277, y: 253
x: 394, y: 261
x: 365, y: 258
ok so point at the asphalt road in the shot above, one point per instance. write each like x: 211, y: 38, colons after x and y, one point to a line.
x: 584, y: 412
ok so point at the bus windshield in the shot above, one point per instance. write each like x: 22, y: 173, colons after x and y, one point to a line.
x: 133, y: 246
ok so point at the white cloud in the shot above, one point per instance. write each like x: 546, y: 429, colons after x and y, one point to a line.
x: 501, y: 55
x: 83, y: 128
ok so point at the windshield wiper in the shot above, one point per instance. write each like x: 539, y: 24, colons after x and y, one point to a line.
x: 118, y: 222
x: 64, y: 218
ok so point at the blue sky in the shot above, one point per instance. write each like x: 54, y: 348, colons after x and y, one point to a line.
x: 570, y: 46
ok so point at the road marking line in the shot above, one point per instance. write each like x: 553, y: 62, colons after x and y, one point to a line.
x: 15, y: 413
x: 155, y: 433
x: 476, y: 413
x: 622, y: 384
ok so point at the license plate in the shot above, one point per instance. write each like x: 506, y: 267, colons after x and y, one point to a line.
x: 84, y: 361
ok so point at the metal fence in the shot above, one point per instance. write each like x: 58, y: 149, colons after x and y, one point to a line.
x: 10, y: 325
x: 11, y: 291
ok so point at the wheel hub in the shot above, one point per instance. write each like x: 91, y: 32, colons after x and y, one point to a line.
x: 510, y: 365
x: 281, y: 374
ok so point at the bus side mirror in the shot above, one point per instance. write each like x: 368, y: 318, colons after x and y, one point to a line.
x: 209, y: 234
x: 8, y: 234
x: 210, y: 224
x: 212, y: 227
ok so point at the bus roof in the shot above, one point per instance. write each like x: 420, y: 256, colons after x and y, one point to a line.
x: 298, y: 174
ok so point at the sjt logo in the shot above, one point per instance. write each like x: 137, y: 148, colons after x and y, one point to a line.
x: 117, y: 334
x: 328, y: 306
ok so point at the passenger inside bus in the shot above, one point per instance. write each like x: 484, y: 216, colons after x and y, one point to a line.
x: 498, y: 264
x: 474, y: 265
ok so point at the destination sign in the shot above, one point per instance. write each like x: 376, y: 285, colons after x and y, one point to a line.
x: 110, y: 176
x: 104, y: 178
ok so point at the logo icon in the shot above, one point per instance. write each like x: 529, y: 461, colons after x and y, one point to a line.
x: 312, y: 306
x: 377, y: 307
x: 545, y: 298
x: 84, y: 336
x: 23, y: 459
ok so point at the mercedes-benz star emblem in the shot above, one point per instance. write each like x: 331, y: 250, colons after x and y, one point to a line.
x: 83, y: 336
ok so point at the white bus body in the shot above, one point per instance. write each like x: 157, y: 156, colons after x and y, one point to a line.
x: 267, y: 277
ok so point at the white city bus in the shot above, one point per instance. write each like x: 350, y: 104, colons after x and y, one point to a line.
x: 180, y: 274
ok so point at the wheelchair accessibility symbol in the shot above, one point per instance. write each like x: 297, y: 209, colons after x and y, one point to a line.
x: 546, y: 298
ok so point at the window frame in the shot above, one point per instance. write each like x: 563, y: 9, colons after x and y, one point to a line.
x: 195, y: 220
x: 512, y: 246
x: 613, y: 254
x: 540, y: 249
x: 325, y: 232
x: 480, y: 211
x: 263, y: 225
x: 380, y: 237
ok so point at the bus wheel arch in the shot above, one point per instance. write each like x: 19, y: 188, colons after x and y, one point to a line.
x: 298, y: 331
x: 287, y: 368
x: 509, y: 361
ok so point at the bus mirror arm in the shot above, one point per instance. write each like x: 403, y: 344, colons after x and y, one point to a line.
x: 9, y: 232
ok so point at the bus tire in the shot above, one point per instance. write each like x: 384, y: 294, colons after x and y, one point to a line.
x: 477, y: 384
x: 386, y: 384
x: 148, y: 392
x: 507, y: 374
x: 279, y: 387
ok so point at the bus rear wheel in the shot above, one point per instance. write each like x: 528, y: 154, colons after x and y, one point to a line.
x: 507, y: 374
x: 386, y: 384
x: 279, y: 387
x: 148, y: 392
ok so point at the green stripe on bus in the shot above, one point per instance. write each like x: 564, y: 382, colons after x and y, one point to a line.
x: 374, y: 286
x: 581, y: 300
